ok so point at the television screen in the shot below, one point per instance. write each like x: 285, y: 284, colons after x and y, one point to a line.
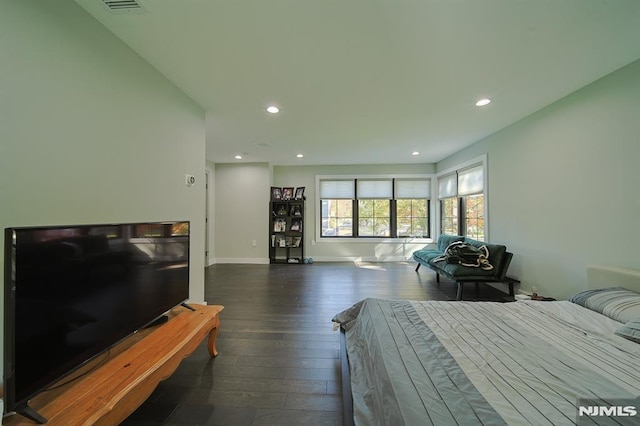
x: 71, y: 292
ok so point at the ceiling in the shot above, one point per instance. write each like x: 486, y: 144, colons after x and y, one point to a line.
x: 371, y: 81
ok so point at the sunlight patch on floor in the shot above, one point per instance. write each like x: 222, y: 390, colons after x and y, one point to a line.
x: 369, y: 265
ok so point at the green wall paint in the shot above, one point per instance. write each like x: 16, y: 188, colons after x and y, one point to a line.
x: 563, y: 184
x: 91, y: 133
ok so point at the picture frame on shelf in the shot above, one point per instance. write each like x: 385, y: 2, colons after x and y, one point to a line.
x: 281, y: 209
x: 297, y: 241
x: 296, y: 210
x: 287, y: 193
x: 299, y: 194
x: 280, y: 225
x: 276, y: 193
x: 296, y: 225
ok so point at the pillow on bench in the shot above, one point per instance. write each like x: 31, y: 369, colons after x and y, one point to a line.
x: 426, y: 254
x: 496, y: 254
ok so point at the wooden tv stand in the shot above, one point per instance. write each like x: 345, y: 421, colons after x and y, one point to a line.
x: 108, y: 394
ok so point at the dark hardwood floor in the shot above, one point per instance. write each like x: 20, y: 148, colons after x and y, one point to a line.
x: 279, y: 361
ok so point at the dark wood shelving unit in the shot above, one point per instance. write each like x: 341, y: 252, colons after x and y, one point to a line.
x: 286, y: 231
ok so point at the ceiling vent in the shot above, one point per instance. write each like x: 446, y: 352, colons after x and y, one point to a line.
x: 124, y: 6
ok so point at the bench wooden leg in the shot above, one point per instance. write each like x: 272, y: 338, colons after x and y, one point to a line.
x: 418, y: 267
x: 511, y: 290
x: 460, y: 288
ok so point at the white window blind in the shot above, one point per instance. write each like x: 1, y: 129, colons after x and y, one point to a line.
x: 413, y: 188
x: 379, y: 189
x: 448, y: 186
x: 471, y: 180
x: 337, y: 189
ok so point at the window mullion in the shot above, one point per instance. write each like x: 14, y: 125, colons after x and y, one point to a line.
x: 462, y: 219
x: 355, y: 218
x: 392, y: 211
x: 393, y: 214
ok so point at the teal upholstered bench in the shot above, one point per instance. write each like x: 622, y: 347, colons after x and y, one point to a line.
x: 499, y: 257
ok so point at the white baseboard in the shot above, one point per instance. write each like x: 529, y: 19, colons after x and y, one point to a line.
x: 361, y: 259
x: 265, y: 261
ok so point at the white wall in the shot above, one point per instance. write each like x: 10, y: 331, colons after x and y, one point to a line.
x: 90, y: 133
x: 210, y: 168
x: 563, y: 185
x: 241, y: 212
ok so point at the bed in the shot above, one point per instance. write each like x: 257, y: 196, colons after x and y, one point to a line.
x: 469, y: 363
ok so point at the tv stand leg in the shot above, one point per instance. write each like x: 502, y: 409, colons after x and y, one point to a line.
x: 187, y: 306
x: 32, y: 414
x: 213, y: 334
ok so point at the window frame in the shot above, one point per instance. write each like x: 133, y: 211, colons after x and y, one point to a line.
x: 455, y: 217
x: 374, y: 217
x: 462, y: 200
x: 393, y: 214
x: 329, y: 218
x: 465, y: 219
x: 428, y: 218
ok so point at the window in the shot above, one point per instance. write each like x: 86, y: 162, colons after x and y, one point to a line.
x: 381, y: 207
x: 374, y: 207
x: 374, y: 218
x: 337, y: 218
x: 449, y: 216
x: 461, y: 196
x: 471, y: 193
x: 412, y: 207
x: 336, y: 203
x: 473, y: 208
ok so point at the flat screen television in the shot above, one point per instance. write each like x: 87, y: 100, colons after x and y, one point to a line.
x: 72, y: 292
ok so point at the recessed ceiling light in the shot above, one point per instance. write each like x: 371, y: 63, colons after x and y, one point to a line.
x: 483, y: 102
x: 299, y: 155
x: 272, y: 109
x: 415, y: 153
x: 238, y: 157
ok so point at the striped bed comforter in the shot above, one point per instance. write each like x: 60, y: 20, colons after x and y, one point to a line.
x: 469, y: 363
